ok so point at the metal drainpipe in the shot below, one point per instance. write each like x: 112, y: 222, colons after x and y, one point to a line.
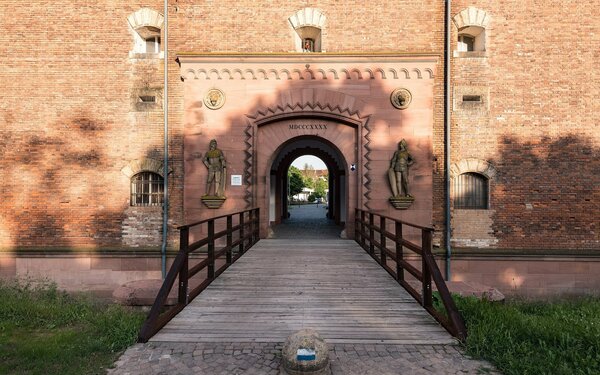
x: 163, y: 250
x: 447, y: 135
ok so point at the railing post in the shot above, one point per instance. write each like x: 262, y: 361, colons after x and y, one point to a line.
x: 211, y: 250
x: 356, y: 225
x: 382, y: 241
x: 426, y: 251
x: 184, y: 240
x: 371, y: 233
x: 362, y: 228
x: 399, y: 252
x: 229, y: 239
x: 257, y: 225
x: 241, y: 248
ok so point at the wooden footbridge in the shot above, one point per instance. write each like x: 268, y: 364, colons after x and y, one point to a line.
x: 350, y: 291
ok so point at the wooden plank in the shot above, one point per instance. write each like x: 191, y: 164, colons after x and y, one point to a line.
x: 281, y: 286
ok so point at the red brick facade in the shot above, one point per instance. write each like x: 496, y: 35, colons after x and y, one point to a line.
x: 72, y: 122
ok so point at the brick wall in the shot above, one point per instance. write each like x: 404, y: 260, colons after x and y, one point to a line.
x: 68, y: 123
x: 68, y: 127
x: 539, y: 129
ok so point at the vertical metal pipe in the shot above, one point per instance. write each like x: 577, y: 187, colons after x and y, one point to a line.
x: 447, y: 135
x: 163, y: 250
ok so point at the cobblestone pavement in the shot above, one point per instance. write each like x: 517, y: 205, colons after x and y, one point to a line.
x: 265, y: 358
x: 307, y: 221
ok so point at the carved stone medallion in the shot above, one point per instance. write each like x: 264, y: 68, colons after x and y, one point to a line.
x: 214, y: 99
x: 401, y: 98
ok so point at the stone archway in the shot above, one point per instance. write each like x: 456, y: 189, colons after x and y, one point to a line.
x: 338, y: 129
x: 330, y: 155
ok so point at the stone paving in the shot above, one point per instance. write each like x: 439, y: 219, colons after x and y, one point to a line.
x: 265, y: 358
x: 307, y: 221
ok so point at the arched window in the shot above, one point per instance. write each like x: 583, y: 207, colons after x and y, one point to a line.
x: 146, y: 24
x: 471, y: 24
x: 308, y: 24
x: 147, y: 189
x: 471, y: 191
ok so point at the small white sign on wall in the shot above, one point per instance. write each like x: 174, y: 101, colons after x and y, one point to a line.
x: 236, y: 180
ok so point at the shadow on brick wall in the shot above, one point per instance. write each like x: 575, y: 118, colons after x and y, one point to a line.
x: 547, y: 193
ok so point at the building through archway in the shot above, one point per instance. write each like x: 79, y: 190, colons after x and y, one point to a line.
x: 336, y: 165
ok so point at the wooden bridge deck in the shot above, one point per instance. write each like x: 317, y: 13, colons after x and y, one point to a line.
x: 281, y: 286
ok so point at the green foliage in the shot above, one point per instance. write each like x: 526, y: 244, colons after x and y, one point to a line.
x: 312, y: 198
x: 47, y: 331
x: 295, y: 180
x: 520, y: 337
x: 320, y: 186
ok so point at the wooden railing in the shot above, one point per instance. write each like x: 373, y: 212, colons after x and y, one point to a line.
x: 247, y: 228
x: 371, y: 233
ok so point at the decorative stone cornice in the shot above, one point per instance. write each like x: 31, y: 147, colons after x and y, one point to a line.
x: 474, y: 166
x: 307, y: 74
x: 472, y: 16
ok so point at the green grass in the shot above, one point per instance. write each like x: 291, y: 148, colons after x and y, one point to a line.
x: 46, y: 331
x: 533, y: 337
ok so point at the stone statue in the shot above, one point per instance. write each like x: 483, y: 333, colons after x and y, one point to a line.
x: 216, y: 164
x: 398, y: 172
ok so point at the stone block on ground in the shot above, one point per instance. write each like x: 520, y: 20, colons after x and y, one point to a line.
x: 305, y: 352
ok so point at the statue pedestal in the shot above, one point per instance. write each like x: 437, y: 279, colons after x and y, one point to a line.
x: 402, y: 203
x: 212, y: 201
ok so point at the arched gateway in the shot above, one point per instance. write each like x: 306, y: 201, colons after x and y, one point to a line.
x: 266, y: 111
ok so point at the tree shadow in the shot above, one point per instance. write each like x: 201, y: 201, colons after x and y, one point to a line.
x: 547, y: 193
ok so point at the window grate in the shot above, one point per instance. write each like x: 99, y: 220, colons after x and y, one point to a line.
x: 147, y: 189
x: 471, y: 191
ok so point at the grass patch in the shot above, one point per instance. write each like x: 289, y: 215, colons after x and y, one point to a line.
x: 533, y: 337
x: 46, y: 331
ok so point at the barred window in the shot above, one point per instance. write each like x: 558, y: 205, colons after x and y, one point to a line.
x: 147, y: 189
x: 471, y: 191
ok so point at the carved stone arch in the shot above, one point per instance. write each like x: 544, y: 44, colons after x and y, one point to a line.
x: 472, y: 16
x: 308, y: 17
x: 340, y: 119
x: 189, y: 74
x: 473, y: 165
x: 144, y: 165
x: 146, y: 18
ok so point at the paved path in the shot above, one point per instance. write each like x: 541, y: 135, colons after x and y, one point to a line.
x: 238, y: 325
x: 307, y: 221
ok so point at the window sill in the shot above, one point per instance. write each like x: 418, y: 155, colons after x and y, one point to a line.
x: 146, y: 56
x: 470, y: 54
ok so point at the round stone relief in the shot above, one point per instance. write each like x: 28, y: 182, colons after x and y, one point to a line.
x: 401, y: 98
x: 214, y: 99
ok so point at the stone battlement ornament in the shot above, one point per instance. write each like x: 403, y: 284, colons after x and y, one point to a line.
x: 214, y: 99
x: 401, y: 98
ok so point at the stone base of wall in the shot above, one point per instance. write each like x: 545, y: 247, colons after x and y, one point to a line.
x: 527, y: 276
x: 530, y: 276
x: 88, y: 273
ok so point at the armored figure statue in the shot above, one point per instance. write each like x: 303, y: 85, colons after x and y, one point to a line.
x: 398, y: 172
x: 216, y: 164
